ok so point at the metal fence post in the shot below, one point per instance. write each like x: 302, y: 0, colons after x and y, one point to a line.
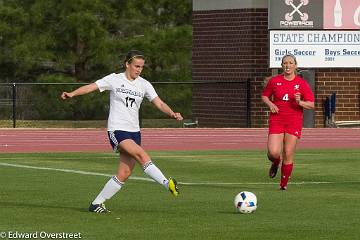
x: 14, y: 104
x: 248, y: 103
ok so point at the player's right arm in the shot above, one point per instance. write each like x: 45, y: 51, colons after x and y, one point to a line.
x: 266, y: 94
x: 80, y: 91
x: 273, y: 108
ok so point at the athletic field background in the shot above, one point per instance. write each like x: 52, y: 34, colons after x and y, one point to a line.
x: 49, y: 193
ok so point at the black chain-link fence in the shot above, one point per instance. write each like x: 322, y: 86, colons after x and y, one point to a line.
x: 29, y: 105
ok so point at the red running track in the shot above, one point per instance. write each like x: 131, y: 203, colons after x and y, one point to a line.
x: 95, y: 140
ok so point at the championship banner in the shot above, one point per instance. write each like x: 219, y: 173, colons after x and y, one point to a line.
x: 316, y: 49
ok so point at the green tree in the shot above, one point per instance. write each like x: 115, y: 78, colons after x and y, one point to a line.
x: 82, y: 40
x: 13, y: 22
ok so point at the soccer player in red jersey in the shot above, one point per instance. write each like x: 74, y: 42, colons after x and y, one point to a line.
x: 286, y: 95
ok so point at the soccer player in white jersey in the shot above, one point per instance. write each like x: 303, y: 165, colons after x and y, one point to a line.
x: 127, y: 90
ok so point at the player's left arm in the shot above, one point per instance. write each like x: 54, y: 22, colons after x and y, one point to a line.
x: 302, y: 103
x: 306, y: 99
x: 162, y: 106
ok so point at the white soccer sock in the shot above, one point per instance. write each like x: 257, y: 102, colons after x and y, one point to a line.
x: 109, y: 190
x: 152, y: 171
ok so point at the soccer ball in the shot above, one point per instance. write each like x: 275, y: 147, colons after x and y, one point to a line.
x: 245, y: 202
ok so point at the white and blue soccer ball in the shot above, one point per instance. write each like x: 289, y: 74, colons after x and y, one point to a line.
x: 245, y: 202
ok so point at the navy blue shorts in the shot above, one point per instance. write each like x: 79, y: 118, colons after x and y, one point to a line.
x: 118, y: 136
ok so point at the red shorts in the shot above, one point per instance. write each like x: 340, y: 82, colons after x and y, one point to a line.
x: 285, y: 124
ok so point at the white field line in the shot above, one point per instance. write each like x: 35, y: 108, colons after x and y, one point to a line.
x: 150, y: 180
x: 67, y: 171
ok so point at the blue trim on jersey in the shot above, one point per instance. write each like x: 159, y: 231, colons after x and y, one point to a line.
x: 117, y: 136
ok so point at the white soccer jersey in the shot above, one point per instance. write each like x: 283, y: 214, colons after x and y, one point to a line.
x: 125, y: 100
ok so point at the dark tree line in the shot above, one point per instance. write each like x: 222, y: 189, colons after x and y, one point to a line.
x: 83, y: 40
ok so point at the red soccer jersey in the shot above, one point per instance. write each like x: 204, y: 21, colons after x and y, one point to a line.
x: 283, y: 92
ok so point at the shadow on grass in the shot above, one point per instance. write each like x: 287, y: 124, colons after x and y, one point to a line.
x: 33, y: 205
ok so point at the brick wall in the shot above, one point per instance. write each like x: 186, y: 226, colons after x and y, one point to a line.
x: 232, y: 45
x: 221, y: 104
x: 346, y: 83
x: 229, y: 45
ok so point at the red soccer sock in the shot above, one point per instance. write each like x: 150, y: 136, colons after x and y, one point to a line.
x: 286, y: 171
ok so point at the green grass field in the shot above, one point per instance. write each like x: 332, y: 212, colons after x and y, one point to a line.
x: 322, y: 201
